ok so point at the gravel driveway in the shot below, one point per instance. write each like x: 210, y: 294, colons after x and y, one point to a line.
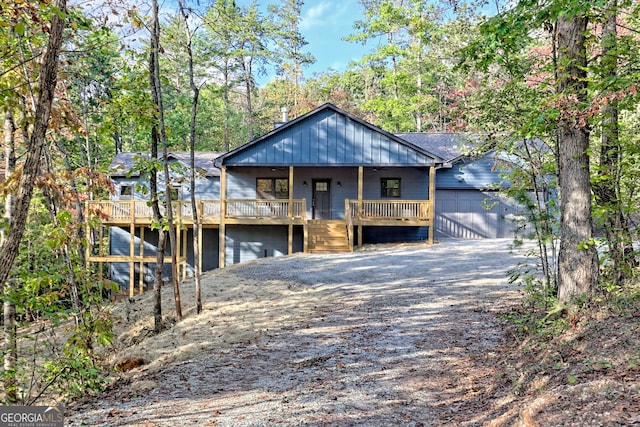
x: 367, y: 338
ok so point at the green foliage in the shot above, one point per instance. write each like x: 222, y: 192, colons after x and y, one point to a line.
x: 60, y: 341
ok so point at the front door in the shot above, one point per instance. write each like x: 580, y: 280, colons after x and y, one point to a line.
x: 321, y: 202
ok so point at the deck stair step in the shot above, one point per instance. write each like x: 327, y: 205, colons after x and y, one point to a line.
x: 327, y: 236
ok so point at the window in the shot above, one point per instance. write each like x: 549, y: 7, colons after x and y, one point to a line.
x: 126, y: 192
x: 272, y: 188
x: 175, y: 193
x: 390, y: 187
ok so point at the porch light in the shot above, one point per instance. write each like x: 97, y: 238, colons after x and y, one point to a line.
x: 339, y: 184
x: 304, y: 183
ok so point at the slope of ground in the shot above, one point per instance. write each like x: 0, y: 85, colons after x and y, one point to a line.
x: 392, y: 335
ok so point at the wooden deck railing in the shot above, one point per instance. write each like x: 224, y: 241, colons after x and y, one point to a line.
x: 261, y: 208
x: 125, y: 211
x: 389, y: 210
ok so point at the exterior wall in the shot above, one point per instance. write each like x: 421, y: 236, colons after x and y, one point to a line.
x: 207, y: 188
x: 479, y: 174
x: 465, y: 208
x: 247, y: 242
x: 241, y: 183
x: 119, y: 244
x: 328, y: 138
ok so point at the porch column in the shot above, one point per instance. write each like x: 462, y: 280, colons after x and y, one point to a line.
x: 200, y: 210
x: 290, y: 211
x: 132, y: 234
x: 223, y: 209
x: 432, y: 202
x: 360, y: 191
x: 142, y: 271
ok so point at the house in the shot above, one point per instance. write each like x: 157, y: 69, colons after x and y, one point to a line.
x: 326, y: 181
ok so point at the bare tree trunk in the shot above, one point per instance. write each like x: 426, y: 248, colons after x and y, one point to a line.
x: 11, y: 242
x: 9, y: 309
x: 577, y: 258
x: 153, y: 182
x: 157, y: 98
x: 48, y: 77
x: 192, y: 148
x: 607, y: 189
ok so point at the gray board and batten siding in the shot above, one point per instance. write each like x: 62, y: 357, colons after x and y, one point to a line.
x: 468, y: 205
x: 328, y: 137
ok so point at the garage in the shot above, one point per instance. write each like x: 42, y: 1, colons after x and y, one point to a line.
x: 473, y: 214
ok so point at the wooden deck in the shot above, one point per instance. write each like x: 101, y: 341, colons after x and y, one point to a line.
x: 261, y: 211
x: 237, y: 211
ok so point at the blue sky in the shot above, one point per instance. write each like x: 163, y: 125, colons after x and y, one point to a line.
x: 323, y: 25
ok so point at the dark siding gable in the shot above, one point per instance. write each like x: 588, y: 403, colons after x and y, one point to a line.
x: 328, y: 136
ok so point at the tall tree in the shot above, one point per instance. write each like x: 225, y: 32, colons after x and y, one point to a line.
x: 290, y: 43
x: 195, y: 94
x: 607, y: 184
x: 47, y: 77
x: 577, y: 258
x: 156, y: 140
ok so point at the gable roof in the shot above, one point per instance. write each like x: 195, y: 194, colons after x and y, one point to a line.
x: 123, y: 163
x: 328, y: 136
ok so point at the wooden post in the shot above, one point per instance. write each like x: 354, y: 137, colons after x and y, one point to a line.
x: 87, y: 234
x: 100, y: 250
x: 132, y: 234
x: 178, y: 228
x: 141, y: 278
x: 432, y: 201
x: 290, y: 212
x: 223, y: 211
x: 185, y: 242
x: 200, y: 207
x: 360, y: 192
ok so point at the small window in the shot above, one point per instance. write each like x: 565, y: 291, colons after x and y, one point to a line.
x: 322, y: 186
x: 175, y: 193
x: 390, y: 187
x: 126, y: 192
x: 281, y: 188
x: 272, y: 188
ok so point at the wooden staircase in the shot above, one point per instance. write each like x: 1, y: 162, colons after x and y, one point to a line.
x: 327, y: 236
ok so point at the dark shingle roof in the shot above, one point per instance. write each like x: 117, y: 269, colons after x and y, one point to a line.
x: 448, y: 146
x: 124, y: 162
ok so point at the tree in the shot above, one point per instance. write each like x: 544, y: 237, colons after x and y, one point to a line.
x: 577, y: 258
x: 156, y: 140
x: 607, y: 184
x: 559, y: 108
x: 195, y: 94
x: 412, y: 70
x: 11, y: 243
x: 289, y: 46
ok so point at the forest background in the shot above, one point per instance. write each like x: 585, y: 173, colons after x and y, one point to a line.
x: 554, y: 83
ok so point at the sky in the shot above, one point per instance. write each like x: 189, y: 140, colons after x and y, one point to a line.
x: 323, y: 25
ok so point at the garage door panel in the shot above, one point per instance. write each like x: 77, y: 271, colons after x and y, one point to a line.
x: 464, y: 214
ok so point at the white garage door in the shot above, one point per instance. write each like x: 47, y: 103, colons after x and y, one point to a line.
x: 472, y: 214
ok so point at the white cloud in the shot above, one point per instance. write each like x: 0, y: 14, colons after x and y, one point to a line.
x: 316, y: 15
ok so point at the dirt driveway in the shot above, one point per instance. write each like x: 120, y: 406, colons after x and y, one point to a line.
x: 371, y: 338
